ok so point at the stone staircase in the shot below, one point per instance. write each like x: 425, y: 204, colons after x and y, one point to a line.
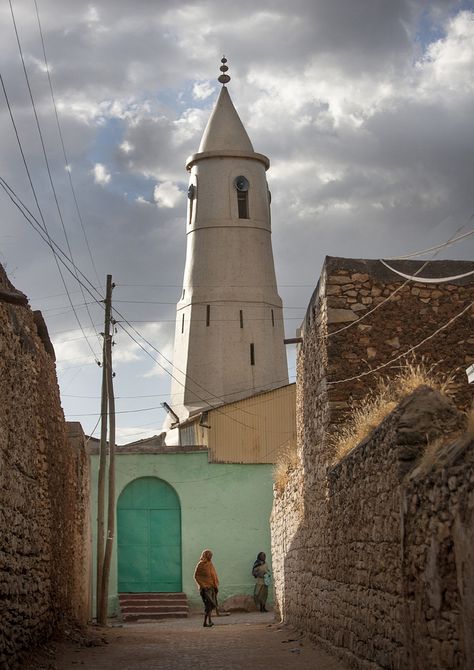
x: 152, y: 606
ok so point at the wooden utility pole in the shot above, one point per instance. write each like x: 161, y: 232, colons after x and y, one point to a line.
x: 111, y: 489
x: 103, y: 456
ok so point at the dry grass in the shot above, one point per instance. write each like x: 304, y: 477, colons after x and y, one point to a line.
x: 430, y: 454
x: 376, y: 405
x: 286, y: 462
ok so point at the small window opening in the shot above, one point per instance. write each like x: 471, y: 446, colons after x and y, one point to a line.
x: 252, y: 354
x: 184, y: 291
x: 273, y: 319
x: 243, y: 204
x: 241, y: 319
x: 208, y: 315
x: 182, y: 323
x: 191, y: 196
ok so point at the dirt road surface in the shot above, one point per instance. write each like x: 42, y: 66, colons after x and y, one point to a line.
x: 236, y: 642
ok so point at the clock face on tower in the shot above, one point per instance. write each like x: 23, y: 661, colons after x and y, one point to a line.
x: 241, y: 183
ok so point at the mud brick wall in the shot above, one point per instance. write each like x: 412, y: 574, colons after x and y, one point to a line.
x: 44, y: 498
x: 338, y: 531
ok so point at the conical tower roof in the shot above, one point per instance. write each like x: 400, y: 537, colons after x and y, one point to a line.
x: 224, y: 130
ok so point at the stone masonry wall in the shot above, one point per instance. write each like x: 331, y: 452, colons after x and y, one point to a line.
x: 44, y: 502
x: 338, y: 531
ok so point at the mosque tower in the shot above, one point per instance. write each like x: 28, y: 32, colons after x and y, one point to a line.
x: 229, y: 322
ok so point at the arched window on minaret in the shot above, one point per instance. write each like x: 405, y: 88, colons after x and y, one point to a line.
x: 241, y: 184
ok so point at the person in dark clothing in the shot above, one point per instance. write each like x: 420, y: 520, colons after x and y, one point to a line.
x: 262, y: 580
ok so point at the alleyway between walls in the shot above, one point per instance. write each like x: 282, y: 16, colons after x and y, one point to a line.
x: 237, y: 642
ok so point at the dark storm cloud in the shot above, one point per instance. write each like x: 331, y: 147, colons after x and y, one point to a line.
x: 364, y: 108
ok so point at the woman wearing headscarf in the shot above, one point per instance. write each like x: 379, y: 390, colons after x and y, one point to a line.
x: 206, y: 578
x: 262, y: 576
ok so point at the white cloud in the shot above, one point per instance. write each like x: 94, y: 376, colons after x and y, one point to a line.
x: 368, y: 127
x: 126, y: 147
x: 167, y: 194
x: 448, y: 64
x: 142, y: 201
x: 92, y: 14
x: 202, y: 90
x: 101, y: 176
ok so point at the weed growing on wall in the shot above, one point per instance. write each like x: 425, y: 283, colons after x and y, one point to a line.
x: 286, y: 462
x: 369, y: 412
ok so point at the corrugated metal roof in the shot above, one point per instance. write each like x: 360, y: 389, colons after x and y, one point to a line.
x: 253, y: 430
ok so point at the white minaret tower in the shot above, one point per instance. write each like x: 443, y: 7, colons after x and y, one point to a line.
x: 229, y: 322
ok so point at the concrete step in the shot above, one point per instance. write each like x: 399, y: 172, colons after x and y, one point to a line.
x: 148, y: 607
x: 152, y: 596
x: 154, y: 616
x: 139, y: 606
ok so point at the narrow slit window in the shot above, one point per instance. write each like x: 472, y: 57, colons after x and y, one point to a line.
x: 273, y: 319
x: 252, y: 354
x: 182, y: 323
x: 243, y: 204
x: 241, y: 319
x: 191, y: 196
x: 208, y: 315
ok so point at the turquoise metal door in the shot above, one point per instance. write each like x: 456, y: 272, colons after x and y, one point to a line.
x: 149, y: 537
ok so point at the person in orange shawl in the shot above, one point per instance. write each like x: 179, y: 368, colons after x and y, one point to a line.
x: 206, y: 578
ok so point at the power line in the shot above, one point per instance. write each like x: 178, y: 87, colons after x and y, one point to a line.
x: 38, y: 126
x: 399, y: 288
x: 50, y: 242
x: 55, y: 248
x: 428, y: 280
x: 435, y: 248
x: 66, y: 160
x: 408, y: 351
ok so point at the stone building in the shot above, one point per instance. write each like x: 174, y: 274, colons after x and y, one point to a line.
x: 44, y: 489
x: 373, y: 554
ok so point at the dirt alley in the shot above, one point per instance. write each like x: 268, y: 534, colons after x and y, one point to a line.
x: 236, y: 642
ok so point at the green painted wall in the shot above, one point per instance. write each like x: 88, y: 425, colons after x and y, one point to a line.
x: 225, y: 508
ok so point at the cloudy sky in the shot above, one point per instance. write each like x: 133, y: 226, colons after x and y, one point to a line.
x: 365, y: 108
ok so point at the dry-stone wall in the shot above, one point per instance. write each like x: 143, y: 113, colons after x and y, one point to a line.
x: 355, y: 544
x: 44, y: 494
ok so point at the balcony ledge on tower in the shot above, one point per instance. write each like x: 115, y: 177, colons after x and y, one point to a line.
x: 226, y: 153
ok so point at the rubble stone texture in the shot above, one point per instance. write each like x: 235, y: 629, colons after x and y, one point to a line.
x: 373, y: 556
x: 44, y: 494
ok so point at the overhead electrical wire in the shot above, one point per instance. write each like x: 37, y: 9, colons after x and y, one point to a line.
x: 66, y: 160
x: 428, y: 280
x: 23, y: 209
x: 51, y: 243
x: 58, y: 253
x: 408, y: 351
x: 45, y: 155
x: 71, y: 260
x: 43, y: 227
x: 451, y: 240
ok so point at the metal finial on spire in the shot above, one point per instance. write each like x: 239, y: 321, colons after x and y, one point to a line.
x: 223, y: 78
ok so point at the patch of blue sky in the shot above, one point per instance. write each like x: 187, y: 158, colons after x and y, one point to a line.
x: 429, y: 30
x: 108, y: 137
x: 130, y: 185
x: 187, y: 98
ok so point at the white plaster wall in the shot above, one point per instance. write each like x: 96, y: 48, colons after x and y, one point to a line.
x: 229, y: 266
